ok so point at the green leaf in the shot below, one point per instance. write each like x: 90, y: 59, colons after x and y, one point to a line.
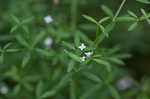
x: 21, y: 40
x: 133, y: 26
x: 107, y: 10
x: 12, y: 50
x: 123, y: 56
x: 15, y: 19
x: 104, y: 19
x: 90, y: 91
x: 26, y: 59
x: 77, y: 39
x: 27, y: 20
x: 25, y: 28
x: 68, y: 45
x: 1, y: 58
x: 70, y: 66
x: 92, y: 76
x: 145, y: 15
x: 114, y: 92
x: 143, y: 1
x: 17, y: 89
x: 73, y: 56
x: 116, y: 60
x: 39, y: 89
x: 125, y: 18
x: 105, y: 63
x: 132, y: 13
x: 44, y: 52
x: 110, y: 27
x: 143, y: 12
x: 103, y: 30
x: 48, y: 94
x: 14, y: 28
x: 62, y: 83
x: 38, y: 39
x: 7, y: 45
x: 90, y: 19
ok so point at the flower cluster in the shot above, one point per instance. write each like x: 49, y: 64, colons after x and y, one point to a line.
x: 48, y: 41
x: 48, y: 19
x: 87, y: 54
x: 4, y: 90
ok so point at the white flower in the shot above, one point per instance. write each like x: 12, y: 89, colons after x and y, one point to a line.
x: 88, y: 54
x: 4, y: 90
x: 48, y: 19
x: 82, y: 46
x: 48, y: 41
x: 125, y: 83
x: 56, y: 1
x: 83, y: 58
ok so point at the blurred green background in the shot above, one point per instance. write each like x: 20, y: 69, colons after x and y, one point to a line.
x: 65, y: 13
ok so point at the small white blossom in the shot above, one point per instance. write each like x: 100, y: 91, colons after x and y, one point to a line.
x: 4, y: 90
x: 48, y: 19
x: 83, y: 58
x: 56, y: 1
x: 125, y: 83
x: 88, y: 54
x: 82, y: 46
x: 48, y: 41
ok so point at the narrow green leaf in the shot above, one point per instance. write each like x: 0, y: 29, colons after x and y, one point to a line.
x: 48, y: 94
x: 143, y: 12
x: 125, y: 18
x: 14, y: 28
x: 68, y: 45
x: 1, y: 58
x: 17, y: 89
x: 103, y: 30
x: 62, y: 83
x: 70, y: 66
x: 44, y: 52
x: 73, y: 56
x: 90, y: 19
x: 107, y: 10
x: 92, y: 76
x: 12, y: 50
x: 38, y: 38
x: 116, y: 60
x: 143, y: 1
x: 110, y: 27
x: 27, y: 20
x: 26, y: 60
x: 132, y: 13
x: 15, y: 19
x: 25, y: 28
x: 105, y: 63
x: 77, y: 39
x: 39, y: 89
x: 7, y: 45
x: 104, y: 19
x: 91, y: 91
x: 21, y: 40
x: 145, y: 15
x: 123, y: 56
x: 114, y: 92
x: 133, y: 26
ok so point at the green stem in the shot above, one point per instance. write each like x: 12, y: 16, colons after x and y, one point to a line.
x: 99, y: 38
x: 118, y: 11
x: 74, y: 87
x: 74, y: 14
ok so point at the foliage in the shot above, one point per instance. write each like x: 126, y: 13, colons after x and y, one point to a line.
x: 69, y: 54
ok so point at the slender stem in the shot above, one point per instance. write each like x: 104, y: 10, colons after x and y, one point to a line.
x: 74, y: 13
x: 118, y: 11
